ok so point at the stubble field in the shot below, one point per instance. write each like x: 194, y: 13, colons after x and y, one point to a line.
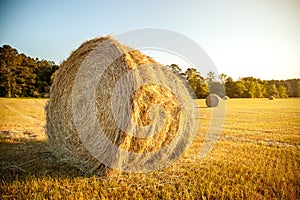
x: 256, y: 157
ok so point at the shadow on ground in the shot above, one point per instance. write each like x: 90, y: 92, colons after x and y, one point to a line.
x: 22, y: 159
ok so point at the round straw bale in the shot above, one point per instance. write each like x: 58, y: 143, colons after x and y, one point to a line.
x: 212, y: 100
x: 226, y: 97
x: 271, y: 98
x: 111, y: 107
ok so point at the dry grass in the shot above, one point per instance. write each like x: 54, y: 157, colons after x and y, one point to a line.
x: 22, y: 119
x: 257, y: 157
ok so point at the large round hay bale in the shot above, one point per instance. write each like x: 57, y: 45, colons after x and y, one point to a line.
x: 111, y: 106
x: 271, y: 98
x: 226, y: 97
x: 212, y: 100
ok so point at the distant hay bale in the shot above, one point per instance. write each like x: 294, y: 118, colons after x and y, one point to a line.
x: 271, y: 98
x: 226, y: 97
x: 212, y: 100
x: 123, y: 114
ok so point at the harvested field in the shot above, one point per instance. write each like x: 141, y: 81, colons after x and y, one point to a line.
x: 257, y: 157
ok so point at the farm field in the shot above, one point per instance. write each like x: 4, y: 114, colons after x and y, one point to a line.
x: 256, y: 157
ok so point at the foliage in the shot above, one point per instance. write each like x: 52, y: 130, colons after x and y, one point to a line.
x: 197, y: 82
x: 247, y: 87
x: 23, y: 76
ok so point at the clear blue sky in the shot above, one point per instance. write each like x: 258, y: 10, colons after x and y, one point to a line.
x: 259, y: 38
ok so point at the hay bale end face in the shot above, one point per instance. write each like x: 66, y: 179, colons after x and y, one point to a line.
x: 72, y: 141
x: 271, y: 98
x: 212, y: 100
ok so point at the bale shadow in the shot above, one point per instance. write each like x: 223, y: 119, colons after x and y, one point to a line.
x: 20, y: 160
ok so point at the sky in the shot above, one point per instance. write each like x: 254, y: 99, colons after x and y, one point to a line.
x: 259, y: 38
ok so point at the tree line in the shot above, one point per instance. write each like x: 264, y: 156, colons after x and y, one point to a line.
x: 247, y: 87
x: 23, y: 76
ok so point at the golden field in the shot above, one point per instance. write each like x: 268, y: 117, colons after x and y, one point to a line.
x: 256, y: 157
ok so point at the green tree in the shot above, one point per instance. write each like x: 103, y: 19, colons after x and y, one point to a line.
x: 258, y: 90
x: 9, y: 61
x: 230, y: 86
x: 253, y: 87
x: 293, y: 89
x: 211, y: 77
x: 240, y: 88
x: 22, y: 76
x: 26, y: 77
x: 297, y: 88
x: 234, y: 89
x: 45, y: 76
x: 249, y: 83
x: 197, y: 82
x: 223, y: 78
x: 272, y: 90
x: 282, y: 92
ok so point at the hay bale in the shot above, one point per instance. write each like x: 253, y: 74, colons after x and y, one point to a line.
x: 111, y: 107
x: 212, y: 100
x: 271, y: 98
x: 226, y: 97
